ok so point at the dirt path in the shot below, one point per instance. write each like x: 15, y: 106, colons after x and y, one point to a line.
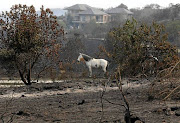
x: 80, y: 102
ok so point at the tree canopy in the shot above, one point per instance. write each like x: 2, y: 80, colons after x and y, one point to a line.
x: 131, y: 44
x: 26, y: 36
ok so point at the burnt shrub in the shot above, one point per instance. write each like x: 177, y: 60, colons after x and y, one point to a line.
x: 133, y: 45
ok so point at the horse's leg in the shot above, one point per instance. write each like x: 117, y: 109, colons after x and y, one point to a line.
x: 90, y: 71
x: 104, y: 69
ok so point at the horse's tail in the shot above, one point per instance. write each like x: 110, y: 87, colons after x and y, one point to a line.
x: 108, y: 63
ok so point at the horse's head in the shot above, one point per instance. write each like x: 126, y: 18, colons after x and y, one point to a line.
x: 80, y: 57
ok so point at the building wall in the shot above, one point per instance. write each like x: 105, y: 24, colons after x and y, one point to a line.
x: 120, y: 17
x: 97, y: 18
x: 86, y: 18
x: 106, y: 18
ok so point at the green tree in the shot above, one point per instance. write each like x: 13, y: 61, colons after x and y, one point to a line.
x: 129, y: 45
x: 174, y: 9
x: 161, y: 14
x: 153, y: 6
x: 88, y: 28
x: 73, y: 47
x: 69, y: 20
x: 122, y: 6
x: 173, y: 29
x: 26, y: 36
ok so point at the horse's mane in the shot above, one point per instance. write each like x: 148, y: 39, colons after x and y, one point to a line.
x: 86, y: 57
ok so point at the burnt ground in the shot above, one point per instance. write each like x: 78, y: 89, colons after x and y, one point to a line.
x: 79, y: 101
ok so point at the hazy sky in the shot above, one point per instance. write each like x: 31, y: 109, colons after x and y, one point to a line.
x: 6, y: 4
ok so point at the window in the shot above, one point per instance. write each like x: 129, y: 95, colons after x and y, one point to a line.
x: 99, y: 18
x: 83, y: 18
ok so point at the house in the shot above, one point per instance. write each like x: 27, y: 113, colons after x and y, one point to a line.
x: 119, y: 13
x: 82, y: 13
x: 74, y: 10
x: 93, y: 14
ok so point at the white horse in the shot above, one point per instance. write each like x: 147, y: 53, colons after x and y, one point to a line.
x: 93, y: 63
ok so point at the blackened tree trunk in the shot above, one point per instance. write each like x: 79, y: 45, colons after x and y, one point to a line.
x: 26, y: 79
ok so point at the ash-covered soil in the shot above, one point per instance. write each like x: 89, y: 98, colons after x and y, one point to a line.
x: 80, y: 101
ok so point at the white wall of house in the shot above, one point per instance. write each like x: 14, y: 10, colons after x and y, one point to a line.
x: 97, y: 18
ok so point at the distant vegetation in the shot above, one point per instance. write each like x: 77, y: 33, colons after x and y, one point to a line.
x: 38, y: 43
x: 132, y: 44
x: 56, y: 11
x: 169, y: 16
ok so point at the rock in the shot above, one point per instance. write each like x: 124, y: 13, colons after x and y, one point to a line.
x: 165, y: 110
x: 60, y: 107
x: 177, y: 112
x: 133, y: 118
x: 158, y: 110
x: 59, y: 94
x: 22, y: 113
x: 23, y: 95
x: 82, y: 102
x: 174, y: 108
